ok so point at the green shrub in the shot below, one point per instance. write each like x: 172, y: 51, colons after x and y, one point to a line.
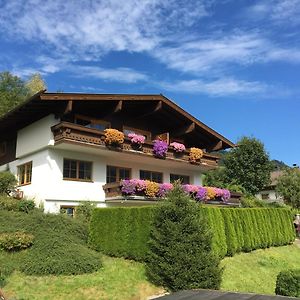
x: 15, y: 241
x: 7, y: 182
x: 251, y: 201
x: 125, y: 231
x: 121, y: 231
x: 180, y: 245
x: 60, y: 257
x: 26, y: 206
x: 11, y: 204
x: 84, y: 210
x: 58, y: 240
x: 8, y: 203
x: 288, y: 283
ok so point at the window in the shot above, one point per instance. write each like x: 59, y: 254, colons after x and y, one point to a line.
x: 77, y: 169
x: 265, y: 196
x: 115, y: 174
x: 184, y: 179
x: 67, y: 210
x: 145, y: 133
x: 150, y: 175
x: 91, y: 123
x: 25, y: 173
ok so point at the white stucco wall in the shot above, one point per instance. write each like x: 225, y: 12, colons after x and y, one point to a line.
x: 49, y: 188
x: 36, y: 136
x: 273, y: 197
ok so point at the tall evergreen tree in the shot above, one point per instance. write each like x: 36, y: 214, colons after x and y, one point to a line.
x: 180, y: 245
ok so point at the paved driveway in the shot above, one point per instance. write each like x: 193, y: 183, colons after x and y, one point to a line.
x: 217, y: 295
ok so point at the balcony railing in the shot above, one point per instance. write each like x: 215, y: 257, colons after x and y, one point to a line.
x: 65, y: 131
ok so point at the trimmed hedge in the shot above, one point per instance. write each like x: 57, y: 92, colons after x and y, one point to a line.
x: 124, y: 232
x: 288, y: 283
x: 15, y: 241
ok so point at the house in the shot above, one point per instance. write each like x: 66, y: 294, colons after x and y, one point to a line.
x: 269, y: 194
x: 55, y: 144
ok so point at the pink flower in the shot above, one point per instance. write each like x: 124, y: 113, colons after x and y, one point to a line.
x: 136, y: 138
x: 178, y: 147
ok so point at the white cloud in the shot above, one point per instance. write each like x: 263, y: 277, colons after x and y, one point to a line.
x: 217, y: 88
x: 126, y: 75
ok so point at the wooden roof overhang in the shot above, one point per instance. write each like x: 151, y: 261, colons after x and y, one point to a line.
x: 156, y: 110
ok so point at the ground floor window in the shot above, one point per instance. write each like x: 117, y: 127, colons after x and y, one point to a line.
x: 151, y: 175
x: 25, y: 173
x: 115, y: 174
x: 67, y: 210
x: 77, y: 170
x: 184, y: 179
x: 265, y: 196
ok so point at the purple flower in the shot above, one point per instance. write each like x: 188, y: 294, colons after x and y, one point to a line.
x: 178, y: 147
x: 190, y: 188
x: 164, y: 188
x: 201, y: 194
x: 128, y: 187
x: 226, y: 195
x: 140, y: 185
x: 160, y: 148
x: 136, y: 138
x: 219, y: 192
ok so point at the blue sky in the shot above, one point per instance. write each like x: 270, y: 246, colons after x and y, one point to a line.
x: 232, y: 64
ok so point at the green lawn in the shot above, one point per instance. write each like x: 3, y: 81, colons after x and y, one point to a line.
x: 118, y: 279
x: 257, y: 271
x: 124, y: 279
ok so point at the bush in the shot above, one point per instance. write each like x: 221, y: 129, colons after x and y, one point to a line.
x: 288, y: 283
x: 26, y: 205
x: 15, y: 241
x: 125, y: 231
x: 58, y: 241
x: 121, y: 231
x: 84, y: 210
x: 251, y: 201
x: 11, y: 204
x: 7, y: 182
x: 180, y: 245
x: 60, y: 257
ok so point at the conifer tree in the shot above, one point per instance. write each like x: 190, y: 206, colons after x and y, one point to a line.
x: 180, y: 255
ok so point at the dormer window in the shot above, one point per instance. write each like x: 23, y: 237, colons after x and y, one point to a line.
x: 91, y: 123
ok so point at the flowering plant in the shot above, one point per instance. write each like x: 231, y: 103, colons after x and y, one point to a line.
x: 136, y: 138
x: 160, y: 148
x: 152, y: 189
x: 178, y: 147
x: 195, y: 154
x: 113, y: 136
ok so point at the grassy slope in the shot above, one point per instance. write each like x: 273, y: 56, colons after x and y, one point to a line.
x: 118, y: 279
x: 256, y: 271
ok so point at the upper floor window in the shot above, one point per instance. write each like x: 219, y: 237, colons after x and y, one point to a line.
x: 151, y: 175
x: 25, y: 173
x: 146, y: 134
x: 91, y: 123
x: 115, y: 174
x: 77, y: 170
x: 184, y: 179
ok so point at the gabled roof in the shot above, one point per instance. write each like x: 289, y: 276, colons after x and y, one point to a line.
x: 42, y: 104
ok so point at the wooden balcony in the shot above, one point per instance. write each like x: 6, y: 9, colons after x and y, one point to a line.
x: 69, y: 132
x: 114, y: 194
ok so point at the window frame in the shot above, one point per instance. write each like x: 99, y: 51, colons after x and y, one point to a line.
x: 66, y: 207
x: 26, y: 166
x: 180, y: 175
x: 151, y: 177
x: 78, y: 161
x: 106, y: 124
x: 117, y: 172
